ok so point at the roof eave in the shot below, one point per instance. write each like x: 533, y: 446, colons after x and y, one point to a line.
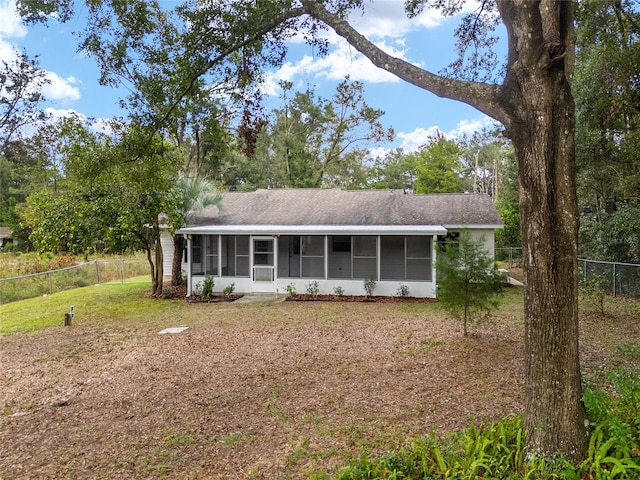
x: 314, y: 230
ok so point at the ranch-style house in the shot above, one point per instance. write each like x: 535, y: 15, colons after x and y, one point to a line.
x: 267, y: 240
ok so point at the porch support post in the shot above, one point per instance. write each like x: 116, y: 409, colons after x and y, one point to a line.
x: 189, y: 254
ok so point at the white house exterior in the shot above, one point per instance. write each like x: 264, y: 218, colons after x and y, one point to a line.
x: 266, y: 240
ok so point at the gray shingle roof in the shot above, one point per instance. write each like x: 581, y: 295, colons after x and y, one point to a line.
x: 312, y: 206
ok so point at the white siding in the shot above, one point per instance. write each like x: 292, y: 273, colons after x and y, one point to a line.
x: 166, y: 241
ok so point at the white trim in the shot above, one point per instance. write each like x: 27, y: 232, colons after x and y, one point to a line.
x: 466, y: 226
x: 315, y: 229
x: 263, y: 286
x: 189, y: 276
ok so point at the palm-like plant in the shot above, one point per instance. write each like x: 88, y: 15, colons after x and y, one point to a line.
x: 194, y: 195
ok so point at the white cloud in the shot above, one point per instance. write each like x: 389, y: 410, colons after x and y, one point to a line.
x: 56, y: 114
x: 469, y: 127
x: 11, y: 26
x: 10, y: 23
x: 97, y: 125
x: 343, y: 61
x: 7, y: 52
x: 61, y: 89
x: 412, y: 141
x: 387, y: 18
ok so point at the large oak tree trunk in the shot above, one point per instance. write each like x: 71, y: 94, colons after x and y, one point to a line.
x: 542, y: 129
x: 554, y: 414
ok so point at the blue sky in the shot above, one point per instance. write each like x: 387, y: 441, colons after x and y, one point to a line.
x: 415, y: 114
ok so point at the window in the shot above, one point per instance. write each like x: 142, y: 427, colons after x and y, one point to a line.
x: 418, y: 258
x: 312, y: 252
x: 289, y: 256
x: 340, y: 256
x: 263, y: 252
x: 352, y: 257
x: 405, y: 258
x: 301, y: 256
x: 204, y: 255
x: 451, y: 237
x: 392, y: 259
x: 364, y: 257
x: 211, y: 255
x: 235, y: 255
x: 196, y: 255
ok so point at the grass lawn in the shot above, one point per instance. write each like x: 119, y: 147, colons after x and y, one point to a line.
x: 269, y: 391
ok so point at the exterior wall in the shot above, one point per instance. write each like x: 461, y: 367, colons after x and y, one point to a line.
x: 422, y: 288
x: 487, y: 234
x: 489, y: 239
x: 350, y: 287
x: 166, y: 241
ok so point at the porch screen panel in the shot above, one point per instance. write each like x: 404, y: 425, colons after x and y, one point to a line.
x: 228, y: 249
x: 211, y: 255
x: 197, y: 266
x: 364, y: 257
x: 242, y: 255
x: 235, y: 255
x: 312, y: 253
x: 392, y: 260
x: 419, y: 258
x: 339, y: 256
x: 263, y: 253
x: 289, y: 256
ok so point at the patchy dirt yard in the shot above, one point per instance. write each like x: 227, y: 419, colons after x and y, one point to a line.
x: 255, y: 391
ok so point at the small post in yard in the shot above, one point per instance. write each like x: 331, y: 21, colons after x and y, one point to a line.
x: 68, y: 317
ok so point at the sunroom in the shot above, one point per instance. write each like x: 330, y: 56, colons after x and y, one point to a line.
x: 336, y: 260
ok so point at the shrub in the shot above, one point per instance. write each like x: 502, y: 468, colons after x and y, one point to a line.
x: 313, y: 288
x: 339, y: 291
x: 616, y: 419
x: 595, y: 290
x: 369, y: 286
x: 403, y: 291
x: 207, y: 287
x: 291, y: 289
x: 229, y: 289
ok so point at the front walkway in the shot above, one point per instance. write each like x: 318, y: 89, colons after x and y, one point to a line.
x: 261, y: 298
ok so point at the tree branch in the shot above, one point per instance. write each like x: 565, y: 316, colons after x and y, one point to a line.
x: 484, y: 97
x: 258, y: 34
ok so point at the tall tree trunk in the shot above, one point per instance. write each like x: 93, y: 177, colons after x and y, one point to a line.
x: 543, y: 135
x: 152, y: 269
x: 176, y: 265
x: 158, y: 271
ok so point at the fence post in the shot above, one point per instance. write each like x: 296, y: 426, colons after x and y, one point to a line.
x: 50, y: 280
x: 614, y: 279
x: 97, y: 272
x: 122, y: 270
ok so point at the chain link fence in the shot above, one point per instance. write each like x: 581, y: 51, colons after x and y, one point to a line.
x: 89, y: 273
x: 612, y: 277
x: 615, y: 278
x: 511, y: 255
